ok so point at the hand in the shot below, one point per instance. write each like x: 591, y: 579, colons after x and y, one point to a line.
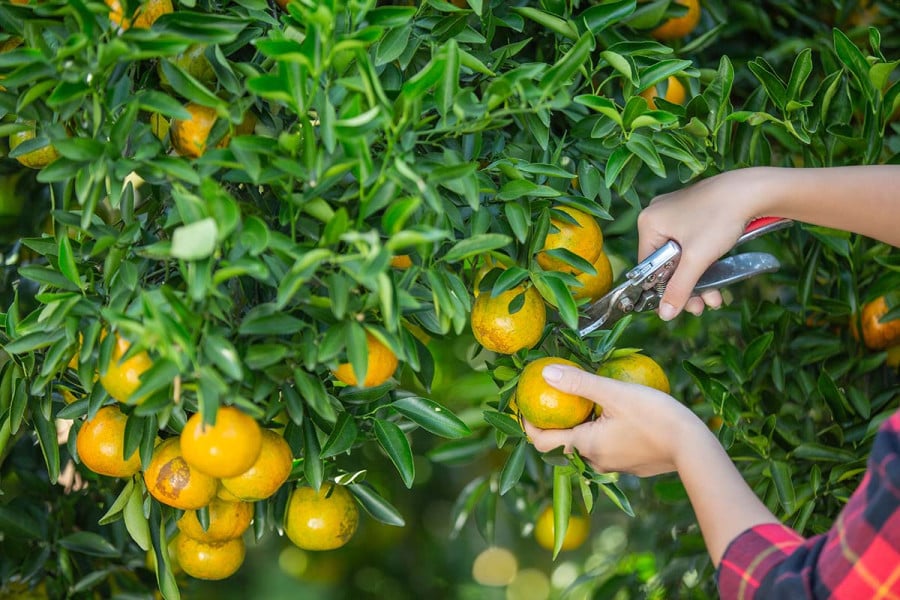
x: 641, y: 430
x: 706, y: 219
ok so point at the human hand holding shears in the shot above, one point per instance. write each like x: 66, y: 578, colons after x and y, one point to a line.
x: 646, y: 284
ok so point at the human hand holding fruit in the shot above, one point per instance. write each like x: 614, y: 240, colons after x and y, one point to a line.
x: 639, y: 431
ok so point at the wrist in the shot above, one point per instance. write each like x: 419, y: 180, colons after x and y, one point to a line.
x: 694, y: 444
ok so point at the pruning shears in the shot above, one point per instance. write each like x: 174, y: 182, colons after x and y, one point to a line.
x: 645, y: 283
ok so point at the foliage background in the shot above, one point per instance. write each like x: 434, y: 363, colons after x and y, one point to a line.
x: 444, y: 132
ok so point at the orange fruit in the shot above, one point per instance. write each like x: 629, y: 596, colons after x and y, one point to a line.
x: 675, y: 93
x: 189, y: 136
x: 380, y: 365
x: 101, y: 444
x: 226, y: 448
x: 401, y: 261
x: 145, y: 15
x: 322, y: 520
x: 209, y: 560
x: 715, y: 423
x: 635, y: 368
x: 36, y: 159
x: 172, y: 481
x: 576, y: 533
x: 678, y: 27
x: 122, y: 378
x: 267, y: 474
x: 583, y: 238
x: 594, y: 286
x: 878, y: 335
x: 227, y: 520
x: 505, y: 332
x: 545, y: 406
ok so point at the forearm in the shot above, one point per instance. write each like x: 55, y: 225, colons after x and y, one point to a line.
x: 723, y: 502
x: 861, y: 199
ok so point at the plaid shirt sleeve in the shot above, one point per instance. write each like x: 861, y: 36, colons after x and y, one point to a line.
x: 859, y: 557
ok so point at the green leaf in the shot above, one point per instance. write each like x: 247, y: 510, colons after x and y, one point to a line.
x: 519, y: 188
x: 476, y: 244
x: 313, y: 468
x: 756, y: 350
x: 377, y: 507
x: 560, y: 297
x: 188, y: 87
x: 784, y: 485
x: 394, y: 442
x: 195, y: 241
x: 562, y: 505
x: 222, y: 353
x: 600, y: 16
x: 33, y: 341
x: 114, y: 512
x: 819, y: 452
x: 87, y: 542
x: 135, y: 521
x: 431, y: 416
x: 504, y: 423
x: 514, y: 467
x: 342, y: 437
x: 559, y: 74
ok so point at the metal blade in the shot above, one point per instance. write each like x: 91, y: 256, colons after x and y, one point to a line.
x: 602, y: 312
x: 736, y: 268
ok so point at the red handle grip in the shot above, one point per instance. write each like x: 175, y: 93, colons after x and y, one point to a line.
x: 761, y: 226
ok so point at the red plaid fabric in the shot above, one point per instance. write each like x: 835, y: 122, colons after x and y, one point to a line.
x: 857, y: 559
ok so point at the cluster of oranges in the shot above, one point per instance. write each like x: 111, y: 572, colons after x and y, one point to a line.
x: 220, y: 467
x: 546, y: 407
x: 501, y: 328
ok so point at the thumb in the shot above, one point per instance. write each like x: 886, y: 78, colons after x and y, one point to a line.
x: 680, y: 287
x: 599, y: 390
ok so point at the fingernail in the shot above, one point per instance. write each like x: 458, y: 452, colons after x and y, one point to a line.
x: 667, y: 312
x: 552, y: 374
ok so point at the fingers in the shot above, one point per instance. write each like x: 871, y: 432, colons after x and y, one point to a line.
x: 599, y: 390
x: 680, y: 287
x: 546, y: 440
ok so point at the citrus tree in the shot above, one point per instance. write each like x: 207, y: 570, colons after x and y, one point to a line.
x: 251, y: 232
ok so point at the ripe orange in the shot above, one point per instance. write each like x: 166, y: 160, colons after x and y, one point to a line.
x: 267, y: 474
x: 322, y: 520
x: 380, y: 366
x: 878, y: 335
x: 594, y: 286
x: 583, y: 238
x: 209, y: 560
x: 576, y: 533
x: 172, y: 481
x: 401, y: 261
x: 227, y: 520
x: 36, y: 159
x: 122, y: 378
x: 226, y: 448
x: 146, y: 14
x: 675, y: 93
x: 504, y: 332
x: 635, y: 368
x: 545, y: 406
x: 101, y: 444
x: 678, y: 27
x: 189, y: 136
